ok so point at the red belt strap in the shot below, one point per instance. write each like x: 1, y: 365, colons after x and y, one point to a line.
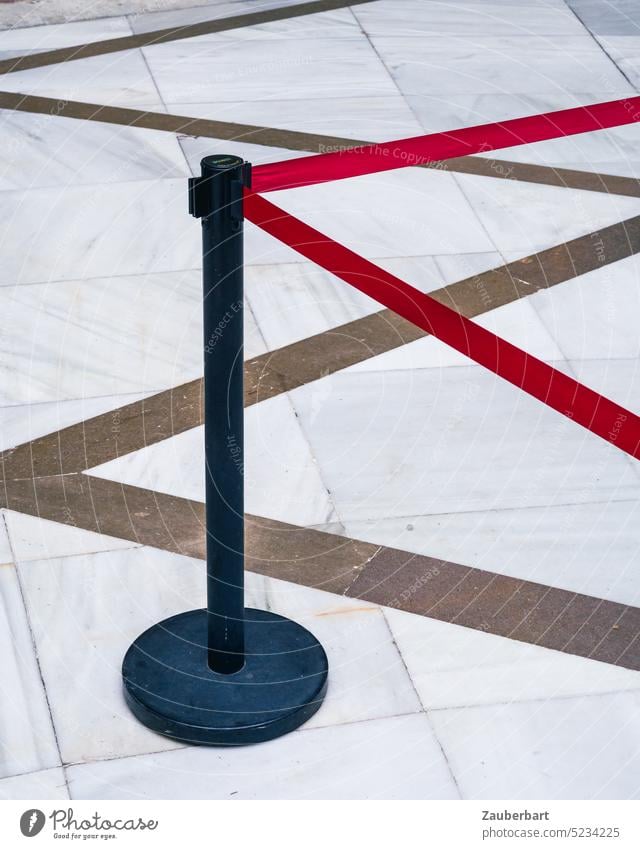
x: 555, y: 389
x: 435, y: 147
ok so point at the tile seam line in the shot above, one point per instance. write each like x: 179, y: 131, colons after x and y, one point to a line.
x: 61, y: 401
x: 319, y: 526
x: 29, y: 771
x: 346, y: 538
x: 418, y: 368
x: 425, y: 710
x: 299, y: 141
x: 166, y: 35
x: 599, y: 44
x: 544, y: 699
x: 36, y: 654
x: 302, y: 730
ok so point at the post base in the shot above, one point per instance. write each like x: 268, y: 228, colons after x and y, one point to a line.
x: 169, y: 687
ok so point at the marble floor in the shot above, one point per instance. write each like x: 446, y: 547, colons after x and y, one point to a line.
x: 466, y: 555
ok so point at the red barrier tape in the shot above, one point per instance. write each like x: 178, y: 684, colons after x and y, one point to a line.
x: 555, y: 389
x: 435, y: 147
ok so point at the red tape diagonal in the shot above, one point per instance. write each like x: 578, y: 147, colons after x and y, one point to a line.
x: 435, y: 147
x: 555, y: 389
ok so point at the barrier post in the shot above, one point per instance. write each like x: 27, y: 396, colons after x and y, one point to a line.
x: 217, y: 198
x: 224, y: 675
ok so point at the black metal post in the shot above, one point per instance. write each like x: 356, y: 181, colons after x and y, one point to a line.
x: 225, y: 675
x: 216, y: 197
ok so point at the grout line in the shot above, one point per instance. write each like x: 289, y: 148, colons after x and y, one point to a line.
x: 305, y: 435
x: 599, y: 44
x: 425, y: 710
x: 61, y: 401
x: 405, y: 517
x: 301, y: 730
x: 540, y: 699
x: 35, y: 653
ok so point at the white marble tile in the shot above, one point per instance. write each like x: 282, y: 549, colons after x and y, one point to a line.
x: 27, y: 742
x: 624, y: 50
x: 424, y: 212
x: 454, y: 267
x: 615, y: 17
x: 45, y: 150
x: 383, y: 759
x: 292, y: 301
x: 374, y: 118
x: 481, y: 64
x: 406, y: 228
x: 595, y: 316
x: 78, y: 232
x: 436, y: 441
x: 85, y: 612
x: 618, y: 380
x: 426, y: 272
x: 23, y: 422
x: 19, y: 40
x: 103, y: 336
x: 367, y: 677
x: 282, y: 478
x: 452, y: 666
x: 588, y: 548
x: 574, y: 748
x: 415, y: 17
x: 604, y: 151
x: 438, y: 112
x: 523, y: 218
x: 612, y: 151
x: 196, y: 148
x: 115, y: 79
x: 199, y: 71
x: 516, y: 322
x: 33, y: 538
x: 46, y: 784
x: 297, y: 300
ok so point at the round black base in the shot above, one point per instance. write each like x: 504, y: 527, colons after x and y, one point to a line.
x: 169, y: 687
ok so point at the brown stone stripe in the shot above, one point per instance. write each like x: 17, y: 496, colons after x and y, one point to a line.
x: 104, y: 437
x: 311, y: 142
x: 474, y: 598
x: 544, y: 175
x: 107, y: 436
x: 204, y: 127
x: 161, y: 36
x: 509, y: 607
